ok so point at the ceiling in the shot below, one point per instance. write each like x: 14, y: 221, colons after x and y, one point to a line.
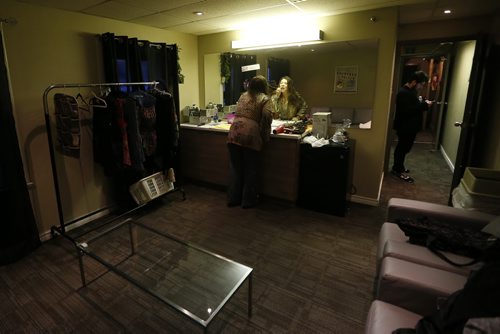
x: 226, y: 15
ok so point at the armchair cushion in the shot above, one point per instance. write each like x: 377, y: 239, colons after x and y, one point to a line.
x: 422, y: 255
x: 389, y: 231
x: 383, y: 318
x: 415, y: 287
x: 405, y: 208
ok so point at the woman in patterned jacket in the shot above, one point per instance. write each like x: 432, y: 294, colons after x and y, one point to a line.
x: 249, y: 132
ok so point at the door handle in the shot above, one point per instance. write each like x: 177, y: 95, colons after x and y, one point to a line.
x: 458, y: 124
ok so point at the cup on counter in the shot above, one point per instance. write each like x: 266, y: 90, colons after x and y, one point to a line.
x: 230, y: 118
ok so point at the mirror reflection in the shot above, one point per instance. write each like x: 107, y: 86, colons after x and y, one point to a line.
x: 336, y: 77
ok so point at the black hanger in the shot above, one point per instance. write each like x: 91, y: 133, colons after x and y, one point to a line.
x: 158, y: 90
x: 79, y: 97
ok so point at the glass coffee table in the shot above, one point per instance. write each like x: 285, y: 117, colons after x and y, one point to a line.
x: 191, y: 280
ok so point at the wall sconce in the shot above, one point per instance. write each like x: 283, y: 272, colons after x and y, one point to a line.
x: 286, y: 37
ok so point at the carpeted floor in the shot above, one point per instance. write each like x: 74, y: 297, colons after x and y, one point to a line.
x: 313, y: 273
x: 431, y: 173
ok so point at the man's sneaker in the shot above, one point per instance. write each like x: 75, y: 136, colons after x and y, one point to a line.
x: 403, y: 176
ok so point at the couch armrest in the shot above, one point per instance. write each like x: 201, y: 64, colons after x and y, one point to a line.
x: 385, y: 318
x: 407, y: 208
x: 415, y: 287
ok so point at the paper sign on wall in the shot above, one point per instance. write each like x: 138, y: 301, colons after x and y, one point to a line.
x: 248, y: 68
x: 346, y: 79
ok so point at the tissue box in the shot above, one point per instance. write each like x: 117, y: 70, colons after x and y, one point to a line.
x: 321, y: 122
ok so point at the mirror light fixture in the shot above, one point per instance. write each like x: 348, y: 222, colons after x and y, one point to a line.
x: 260, y: 39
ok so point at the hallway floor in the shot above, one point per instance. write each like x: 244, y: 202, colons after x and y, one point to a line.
x: 431, y: 173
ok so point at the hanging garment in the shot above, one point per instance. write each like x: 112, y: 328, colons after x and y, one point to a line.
x: 137, y: 134
x: 146, y: 115
x: 167, y: 126
x: 134, y: 137
x: 110, y: 140
x: 121, y: 122
x: 67, y: 124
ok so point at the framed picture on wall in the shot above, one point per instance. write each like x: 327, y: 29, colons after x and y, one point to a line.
x: 346, y: 79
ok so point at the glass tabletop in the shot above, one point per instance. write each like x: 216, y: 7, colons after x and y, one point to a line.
x: 192, y: 280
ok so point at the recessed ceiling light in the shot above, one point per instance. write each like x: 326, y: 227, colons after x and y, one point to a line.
x: 198, y: 13
x: 447, y: 11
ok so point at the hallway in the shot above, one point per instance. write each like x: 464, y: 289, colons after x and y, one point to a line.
x: 431, y: 173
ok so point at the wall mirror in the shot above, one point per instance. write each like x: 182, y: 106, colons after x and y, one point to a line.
x: 339, y: 76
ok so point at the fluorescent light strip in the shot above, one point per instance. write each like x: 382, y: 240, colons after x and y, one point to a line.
x: 270, y: 40
x: 293, y: 4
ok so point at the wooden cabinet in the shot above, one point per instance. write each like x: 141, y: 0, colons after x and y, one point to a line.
x: 204, y: 157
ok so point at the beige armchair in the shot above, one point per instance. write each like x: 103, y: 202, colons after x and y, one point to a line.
x: 411, y: 280
x: 394, y: 243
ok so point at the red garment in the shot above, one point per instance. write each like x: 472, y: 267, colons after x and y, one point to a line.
x: 122, y: 125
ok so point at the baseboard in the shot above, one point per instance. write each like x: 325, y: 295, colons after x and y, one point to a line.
x: 380, y: 185
x: 447, y: 159
x: 47, y: 235
x: 369, y: 200
x: 364, y: 200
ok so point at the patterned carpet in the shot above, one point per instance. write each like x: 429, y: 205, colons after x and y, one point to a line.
x: 313, y: 273
x: 431, y: 173
x: 310, y: 273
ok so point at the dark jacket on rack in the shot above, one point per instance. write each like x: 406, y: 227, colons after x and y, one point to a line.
x: 138, y: 133
x: 107, y: 138
x: 167, y: 129
x: 146, y: 116
x: 134, y: 136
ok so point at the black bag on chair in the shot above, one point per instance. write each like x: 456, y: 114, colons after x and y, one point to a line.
x: 446, y: 237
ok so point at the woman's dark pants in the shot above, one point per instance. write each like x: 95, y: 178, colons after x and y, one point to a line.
x: 243, y: 180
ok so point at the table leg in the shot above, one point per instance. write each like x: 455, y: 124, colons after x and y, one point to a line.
x: 82, y: 269
x: 133, y: 237
x: 250, y: 295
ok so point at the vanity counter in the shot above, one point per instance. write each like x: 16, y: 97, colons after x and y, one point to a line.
x: 204, y: 157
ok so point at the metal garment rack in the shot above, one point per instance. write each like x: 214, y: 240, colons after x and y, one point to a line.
x: 62, y: 225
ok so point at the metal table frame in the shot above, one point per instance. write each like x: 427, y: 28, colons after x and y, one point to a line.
x: 82, y: 248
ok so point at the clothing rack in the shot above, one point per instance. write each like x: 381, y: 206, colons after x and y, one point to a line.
x: 62, y: 224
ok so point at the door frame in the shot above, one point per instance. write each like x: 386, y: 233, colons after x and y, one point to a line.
x: 466, y: 153
x: 396, y: 84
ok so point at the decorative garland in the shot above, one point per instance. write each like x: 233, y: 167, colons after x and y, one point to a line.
x: 225, y: 66
x: 180, y: 76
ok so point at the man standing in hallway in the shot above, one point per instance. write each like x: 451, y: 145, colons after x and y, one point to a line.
x: 408, y: 121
